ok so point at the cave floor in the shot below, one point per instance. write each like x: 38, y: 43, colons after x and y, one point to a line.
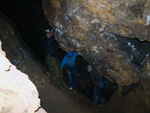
x: 83, y: 100
x: 66, y: 101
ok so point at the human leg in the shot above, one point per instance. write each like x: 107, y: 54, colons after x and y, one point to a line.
x: 53, y: 68
x: 102, y: 93
x: 102, y: 96
x: 96, y: 94
x: 69, y: 77
x: 74, y: 78
x: 60, y: 70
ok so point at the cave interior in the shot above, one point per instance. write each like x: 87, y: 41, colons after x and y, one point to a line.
x: 29, y: 19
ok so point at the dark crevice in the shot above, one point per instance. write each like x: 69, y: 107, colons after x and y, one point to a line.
x: 29, y: 19
x: 131, y: 87
x: 85, y: 84
x: 8, y: 69
x: 138, y: 50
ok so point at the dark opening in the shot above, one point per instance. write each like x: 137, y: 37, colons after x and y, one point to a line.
x: 29, y: 19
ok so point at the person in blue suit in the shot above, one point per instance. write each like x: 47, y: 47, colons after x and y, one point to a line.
x: 69, y: 62
x: 99, y: 95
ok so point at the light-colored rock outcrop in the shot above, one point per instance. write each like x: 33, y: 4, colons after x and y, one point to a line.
x: 18, y: 94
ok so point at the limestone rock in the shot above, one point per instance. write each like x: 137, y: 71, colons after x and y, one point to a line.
x: 18, y: 94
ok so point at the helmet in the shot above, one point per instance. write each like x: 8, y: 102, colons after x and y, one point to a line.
x: 89, y: 68
x: 70, y: 55
x: 49, y: 31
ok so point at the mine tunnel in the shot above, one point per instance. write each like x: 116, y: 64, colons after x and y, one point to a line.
x: 112, y: 36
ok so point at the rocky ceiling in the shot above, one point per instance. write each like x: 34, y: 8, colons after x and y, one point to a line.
x: 112, y: 35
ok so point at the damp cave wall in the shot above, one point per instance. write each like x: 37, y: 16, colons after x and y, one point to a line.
x: 113, y: 36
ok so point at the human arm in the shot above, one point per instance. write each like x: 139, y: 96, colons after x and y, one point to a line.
x: 63, y: 62
x: 76, y: 54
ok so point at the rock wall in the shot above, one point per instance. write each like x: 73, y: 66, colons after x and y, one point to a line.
x: 113, y: 35
x: 18, y: 94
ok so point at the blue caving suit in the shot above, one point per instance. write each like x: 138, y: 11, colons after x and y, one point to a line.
x: 98, y: 87
x: 69, y: 62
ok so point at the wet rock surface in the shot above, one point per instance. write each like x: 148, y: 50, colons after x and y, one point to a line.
x: 112, y: 35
